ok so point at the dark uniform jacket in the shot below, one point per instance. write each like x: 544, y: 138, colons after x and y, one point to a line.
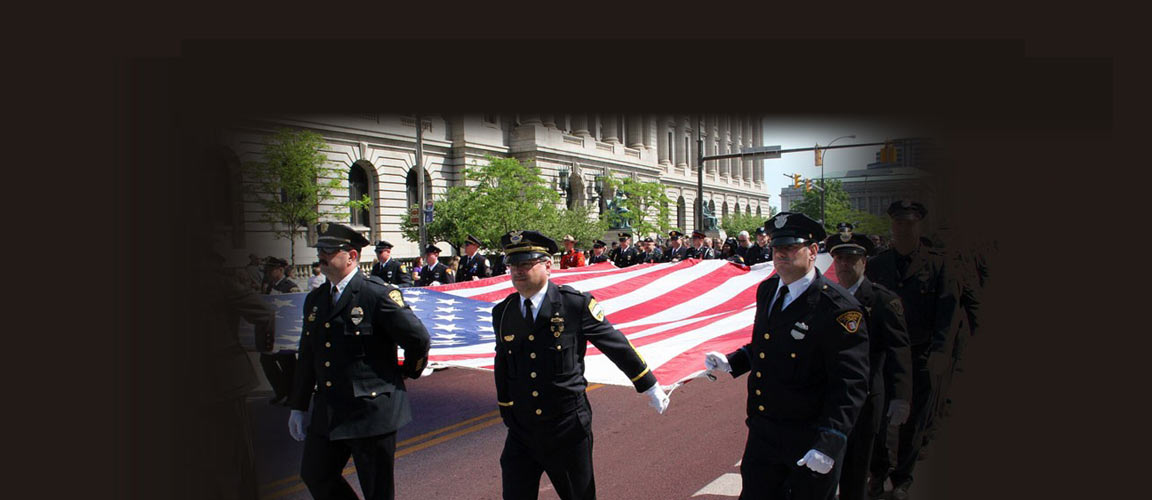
x: 473, y: 266
x: 348, y: 359
x: 757, y: 254
x: 703, y: 253
x: 228, y: 370
x: 808, y: 364
x: 539, y: 367
x: 676, y: 254
x: 928, y: 292
x: 890, y: 357
x: 649, y: 257
x: 392, y: 273
x: 596, y: 260
x: 439, y: 273
x: 625, y: 257
x: 285, y: 285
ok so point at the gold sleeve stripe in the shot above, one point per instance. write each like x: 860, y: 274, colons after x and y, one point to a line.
x: 505, y: 404
x: 643, y: 373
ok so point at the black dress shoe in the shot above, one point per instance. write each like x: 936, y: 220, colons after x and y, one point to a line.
x: 875, y: 489
x: 900, y: 491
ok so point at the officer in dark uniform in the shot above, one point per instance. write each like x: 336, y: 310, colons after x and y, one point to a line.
x: 927, y: 289
x: 279, y: 366
x: 698, y: 250
x: 760, y: 251
x: 349, y: 370
x: 472, y: 264
x: 434, y: 272
x: 676, y: 251
x: 890, y: 357
x: 597, y: 258
x: 389, y: 270
x: 656, y: 255
x: 625, y: 255
x: 729, y: 251
x: 808, y: 364
x: 542, y: 332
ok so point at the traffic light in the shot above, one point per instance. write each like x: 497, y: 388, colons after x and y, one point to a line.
x: 819, y: 156
x: 807, y: 185
x: 888, y: 153
x: 795, y: 180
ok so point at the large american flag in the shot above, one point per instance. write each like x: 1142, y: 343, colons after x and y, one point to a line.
x: 673, y: 313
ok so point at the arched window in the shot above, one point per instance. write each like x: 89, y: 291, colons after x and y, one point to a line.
x: 758, y: 213
x: 357, y: 188
x: 412, y: 198
x: 724, y: 207
x: 681, y: 214
x: 712, y: 206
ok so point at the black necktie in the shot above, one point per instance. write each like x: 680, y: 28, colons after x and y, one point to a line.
x: 779, y: 304
x: 528, y: 311
x: 335, y: 291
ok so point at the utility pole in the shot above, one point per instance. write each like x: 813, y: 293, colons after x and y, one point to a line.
x: 420, y: 184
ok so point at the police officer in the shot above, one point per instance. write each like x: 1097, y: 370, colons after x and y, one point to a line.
x: 808, y: 371
x: 729, y: 251
x: 760, y: 251
x: 542, y: 332
x: 698, y: 250
x: 389, y: 270
x: 676, y: 250
x: 920, y: 276
x: 279, y: 366
x: 350, y: 373
x: 571, y: 257
x: 473, y: 266
x: 434, y: 272
x: 625, y: 255
x: 889, y: 356
x: 598, y: 253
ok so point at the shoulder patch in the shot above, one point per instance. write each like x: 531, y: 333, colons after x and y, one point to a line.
x: 596, y: 310
x: 397, y: 297
x: 850, y: 321
x: 896, y: 306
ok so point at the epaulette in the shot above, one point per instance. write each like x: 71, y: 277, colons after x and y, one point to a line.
x: 380, y: 281
x: 570, y: 290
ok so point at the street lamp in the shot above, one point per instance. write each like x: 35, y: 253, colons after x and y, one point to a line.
x: 565, y: 181
x: 820, y: 160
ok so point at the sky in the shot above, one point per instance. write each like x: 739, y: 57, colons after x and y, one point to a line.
x: 805, y: 132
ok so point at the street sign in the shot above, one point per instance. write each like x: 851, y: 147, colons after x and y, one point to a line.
x: 414, y: 216
x: 761, y: 152
x: 428, y: 212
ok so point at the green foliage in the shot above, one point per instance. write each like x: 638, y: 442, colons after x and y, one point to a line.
x: 734, y: 223
x: 647, y: 205
x: 290, y: 185
x: 838, y: 208
x: 507, y: 196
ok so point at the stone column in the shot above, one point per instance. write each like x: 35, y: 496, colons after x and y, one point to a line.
x: 678, y: 142
x: 726, y: 141
x: 709, y: 142
x: 529, y: 118
x: 548, y: 119
x: 662, y: 146
x: 758, y: 165
x: 609, y: 129
x: 650, y: 129
x: 580, y: 125
x: 635, y: 128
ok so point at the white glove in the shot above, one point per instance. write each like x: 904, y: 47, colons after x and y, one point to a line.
x: 817, y: 461
x: 714, y: 360
x: 658, y: 399
x: 898, y: 411
x: 296, y: 425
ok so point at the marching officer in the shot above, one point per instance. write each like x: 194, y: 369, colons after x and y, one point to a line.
x: 473, y: 266
x: 889, y: 356
x: 349, y: 373
x: 625, y: 255
x: 571, y: 257
x: 434, y: 272
x: 676, y: 251
x: 927, y: 289
x: 760, y: 251
x: 390, y: 271
x: 279, y: 365
x: 542, y: 332
x: 698, y: 250
x: 808, y: 365
x: 598, y: 253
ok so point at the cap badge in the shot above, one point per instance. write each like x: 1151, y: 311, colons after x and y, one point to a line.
x: 323, y: 227
x: 517, y: 236
x: 781, y: 220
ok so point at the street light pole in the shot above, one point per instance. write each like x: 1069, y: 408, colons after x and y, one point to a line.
x: 822, y: 171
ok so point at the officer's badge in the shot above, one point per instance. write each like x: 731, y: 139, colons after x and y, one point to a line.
x: 397, y: 297
x: 596, y: 310
x: 781, y: 220
x: 312, y: 317
x: 797, y: 334
x: 801, y: 325
x: 896, y: 306
x: 508, y: 338
x: 516, y: 237
x: 850, y: 321
x: 357, y: 315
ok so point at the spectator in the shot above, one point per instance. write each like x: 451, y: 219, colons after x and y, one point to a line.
x: 317, y: 279
x: 571, y: 257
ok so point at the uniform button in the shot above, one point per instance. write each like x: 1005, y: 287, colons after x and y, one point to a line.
x: 757, y: 392
x: 357, y: 332
x: 327, y: 363
x: 531, y: 337
x: 307, y: 333
x: 509, y: 351
x: 533, y: 374
x: 556, y: 334
x: 793, y: 355
x: 757, y: 374
x: 538, y: 412
x: 373, y: 394
x: 328, y: 384
x: 326, y: 325
x: 761, y: 407
x: 825, y: 287
x: 535, y: 394
x: 327, y: 344
x: 766, y: 336
x: 532, y: 355
x: 761, y: 355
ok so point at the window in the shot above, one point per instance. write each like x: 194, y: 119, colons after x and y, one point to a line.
x: 724, y: 207
x: 681, y: 214
x: 491, y: 118
x: 412, y: 198
x: 357, y: 189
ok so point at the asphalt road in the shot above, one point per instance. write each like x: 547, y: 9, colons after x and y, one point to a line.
x: 452, y: 448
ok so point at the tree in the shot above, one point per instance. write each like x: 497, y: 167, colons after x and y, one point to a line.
x: 838, y: 209
x: 734, y: 223
x: 647, y: 205
x: 291, y: 182
x: 507, y: 196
